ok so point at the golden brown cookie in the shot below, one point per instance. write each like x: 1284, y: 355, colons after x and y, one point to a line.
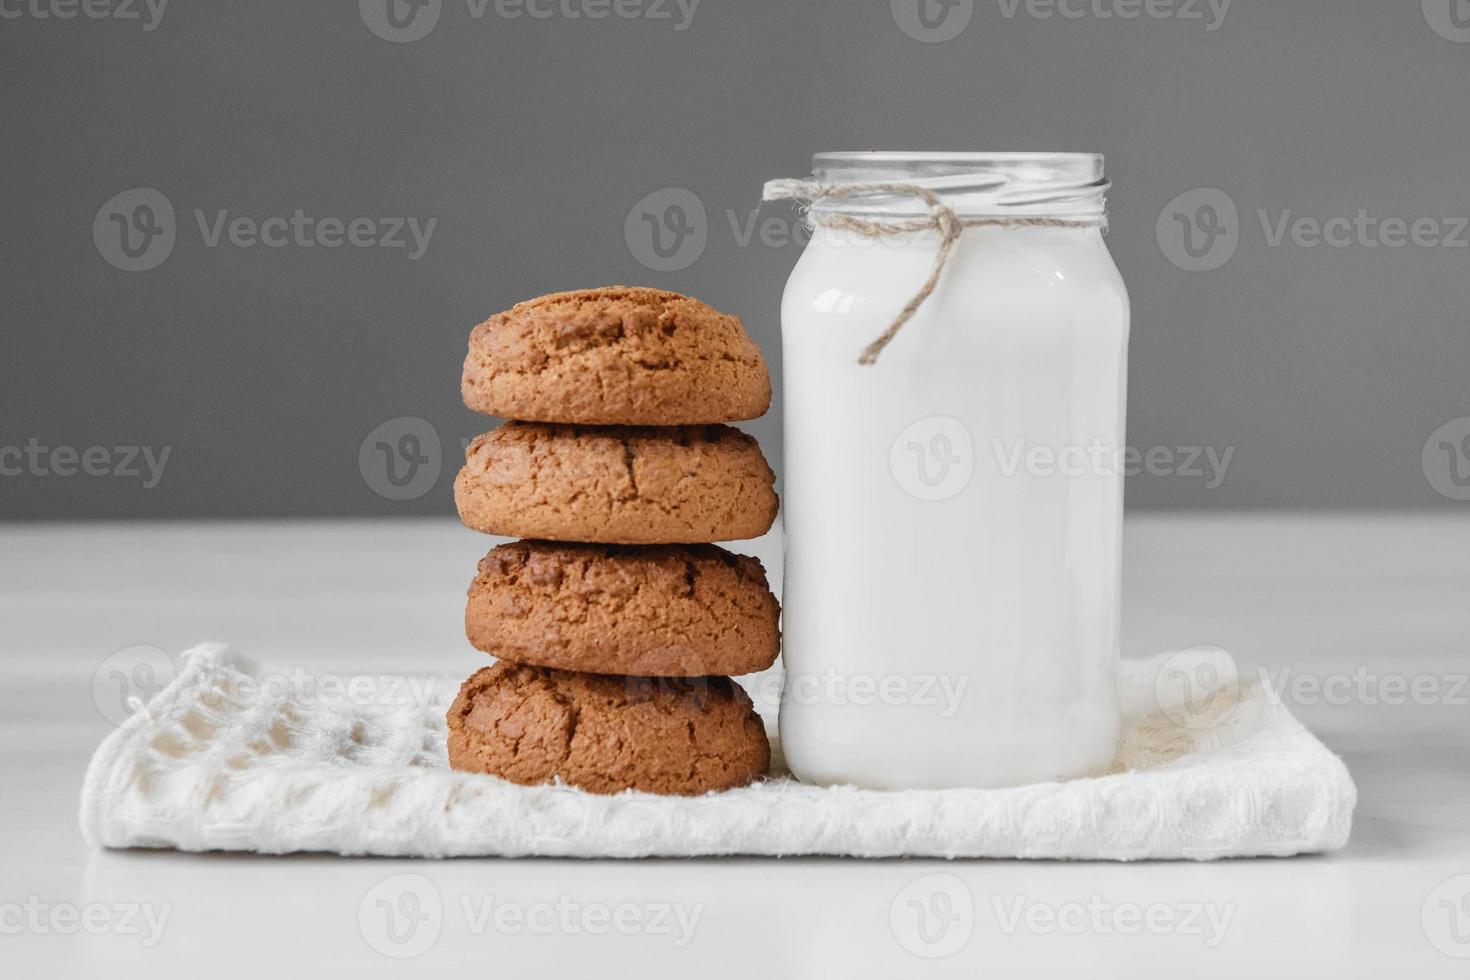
x: 619, y: 355
x: 607, y: 734
x: 662, y: 611
x: 617, y: 484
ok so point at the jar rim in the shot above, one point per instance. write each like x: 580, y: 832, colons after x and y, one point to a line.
x: 1062, y: 184
x: 957, y: 156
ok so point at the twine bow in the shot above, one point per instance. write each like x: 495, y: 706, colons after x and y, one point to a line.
x: 942, y: 218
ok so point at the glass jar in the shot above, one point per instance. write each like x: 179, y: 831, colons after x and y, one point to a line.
x: 954, y: 510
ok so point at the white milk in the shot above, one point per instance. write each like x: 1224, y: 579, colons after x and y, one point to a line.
x: 953, y: 513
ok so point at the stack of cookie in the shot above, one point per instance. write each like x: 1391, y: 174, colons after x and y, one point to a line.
x: 617, y: 624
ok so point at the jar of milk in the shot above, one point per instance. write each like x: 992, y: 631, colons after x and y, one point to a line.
x: 955, y: 356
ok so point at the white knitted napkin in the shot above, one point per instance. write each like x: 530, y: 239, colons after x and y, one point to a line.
x: 234, y: 756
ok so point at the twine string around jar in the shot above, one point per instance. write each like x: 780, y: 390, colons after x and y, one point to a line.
x: 942, y: 218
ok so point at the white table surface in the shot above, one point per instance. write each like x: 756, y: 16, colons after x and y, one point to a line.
x: 1363, y: 599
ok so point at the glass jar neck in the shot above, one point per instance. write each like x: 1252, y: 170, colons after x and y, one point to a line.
x: 1065, y: 186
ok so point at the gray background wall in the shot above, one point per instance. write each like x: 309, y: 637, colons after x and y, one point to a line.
x: 531, y: 141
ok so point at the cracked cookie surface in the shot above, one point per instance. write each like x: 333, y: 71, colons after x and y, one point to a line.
x: 617, y: 355
x: 607, y: 734
x: 617, y: 484
x: 664, y: 611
